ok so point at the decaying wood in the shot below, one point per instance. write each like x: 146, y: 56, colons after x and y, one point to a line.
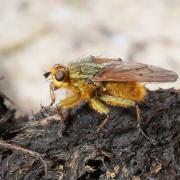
x: 119, y: 152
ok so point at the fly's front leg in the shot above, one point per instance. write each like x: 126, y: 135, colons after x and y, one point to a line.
x: 52, y: 89
x: 64, y: 116
x: 64, y: 106
x: 70, y: 101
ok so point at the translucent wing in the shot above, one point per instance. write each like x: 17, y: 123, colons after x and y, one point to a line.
x: 117, y: 70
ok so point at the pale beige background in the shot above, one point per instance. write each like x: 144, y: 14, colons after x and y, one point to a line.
x: 35, y: 34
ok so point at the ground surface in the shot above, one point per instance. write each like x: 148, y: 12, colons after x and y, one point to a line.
x: 35, y: 35
x: 81, y: 154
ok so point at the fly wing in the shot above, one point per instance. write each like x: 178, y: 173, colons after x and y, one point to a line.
x: 118, y: 70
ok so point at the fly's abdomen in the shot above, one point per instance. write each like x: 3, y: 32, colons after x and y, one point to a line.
x: 134, y: 91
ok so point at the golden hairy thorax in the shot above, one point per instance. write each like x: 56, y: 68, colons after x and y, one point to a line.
x: 86, y: 89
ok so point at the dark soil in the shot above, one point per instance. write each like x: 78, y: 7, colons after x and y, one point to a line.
x: 120, y: 152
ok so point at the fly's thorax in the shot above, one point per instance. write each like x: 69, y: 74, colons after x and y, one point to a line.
x: 84, y: 69
x: 85, y: 87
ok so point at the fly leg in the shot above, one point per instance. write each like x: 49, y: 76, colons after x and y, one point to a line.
x: 52, y: 89
x: 64, y: 117
x: 138, y: 113
x: 63, y: 110
x: 98, y: 106
x: 63, y: 113
x: 103, y: 123
x: 116, y: 101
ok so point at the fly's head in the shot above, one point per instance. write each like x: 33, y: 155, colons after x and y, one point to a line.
x: 59, y: 75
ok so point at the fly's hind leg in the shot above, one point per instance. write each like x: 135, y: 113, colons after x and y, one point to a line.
x: 138, y: 113
x: 96, y: 103
x: 116, y: 101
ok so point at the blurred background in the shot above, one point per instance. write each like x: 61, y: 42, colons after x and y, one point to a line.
x: 34, y: 35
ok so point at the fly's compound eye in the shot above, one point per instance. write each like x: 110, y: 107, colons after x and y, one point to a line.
x: 59, y: 76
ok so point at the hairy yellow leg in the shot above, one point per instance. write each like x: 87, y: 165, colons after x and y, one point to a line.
x: 116, y: 101
x: 67, y: 104
x: 63, y: 109
x: 98, y: 106
x: 70, y: 101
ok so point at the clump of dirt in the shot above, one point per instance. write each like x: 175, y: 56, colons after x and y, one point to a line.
x: 9, y: 123
x: 120, y: 152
